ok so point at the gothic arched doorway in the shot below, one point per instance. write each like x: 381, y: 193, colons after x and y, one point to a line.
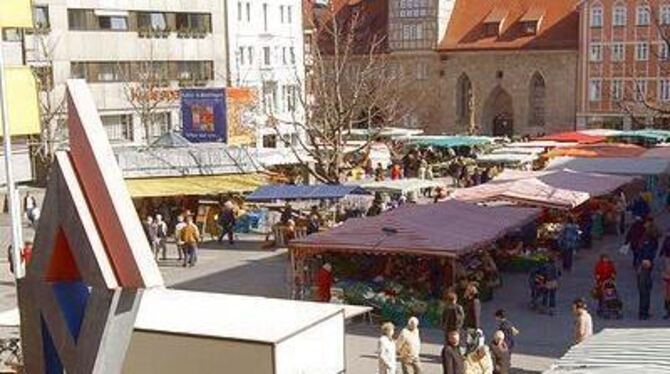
x: 499, y: 113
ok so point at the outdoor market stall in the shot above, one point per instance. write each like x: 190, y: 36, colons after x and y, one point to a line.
x: 402, y: 186
x: 561, y: 194
x: 598, y: 150
x: 400, y: 262
x: 574, y: 137
x: 645, y: 137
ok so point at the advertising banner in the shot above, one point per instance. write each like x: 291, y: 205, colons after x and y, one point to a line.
x: 204, y: 117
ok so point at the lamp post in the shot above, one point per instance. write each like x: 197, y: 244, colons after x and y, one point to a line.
x: 12, y: 195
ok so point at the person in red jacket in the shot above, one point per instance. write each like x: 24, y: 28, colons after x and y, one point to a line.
x: 604, y: 270
x: 324, y: 282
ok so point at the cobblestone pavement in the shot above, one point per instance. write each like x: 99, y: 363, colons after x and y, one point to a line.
x: 245, y: 268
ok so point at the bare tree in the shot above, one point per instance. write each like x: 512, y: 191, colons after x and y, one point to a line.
x: 51, y: 98
x: 146, y: 88
x: 351, y: 84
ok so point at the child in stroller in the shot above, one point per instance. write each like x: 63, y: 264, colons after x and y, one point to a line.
x: 609, y: 302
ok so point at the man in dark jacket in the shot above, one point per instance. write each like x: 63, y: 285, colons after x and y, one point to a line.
x: 644, y: 284
x: 472, y: 308
x: 453, y: 315
x: 453, y: 361
x: 227, y: 222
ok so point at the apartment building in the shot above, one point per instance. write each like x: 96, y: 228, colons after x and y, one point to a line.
x: 266, y: 49
x: 624, y: 63
x: 114, y: 44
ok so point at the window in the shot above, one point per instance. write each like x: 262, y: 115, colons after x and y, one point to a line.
x: 616, y: 88
x: 265, y: 16
x: 641, y: 91
x: 269, y: 141
x: 109, y: 72
x: 270, y: 102
x: 663, y: 51
x: 78, y: 70
x: 292, y: 55
x: 421, y: 71
x: 116, y: 23
x: 41, y: 17
x: 250, y: 58
x: 240, y: 54
x: 594, y: 90
x: 289, y: 14
x: 11, y: 35
x: 292, y: 98
x: 597, y: 17
x: 284, y: 60
x: 119, y: 128
x: 618, y: 52
x: 596, y: 53
x: 267, y: 59
x: 77, y: 19
x: 281, y: 12
x: 529, y: 28
x: 463, y: 98
x: 537, y: 100
x: 664, y: 90
x: 248, y: 12
x: 665, y: 15
x: 239, y: 11
x: 198, y: 22
x: 619, y: 16
x: 161, y: 123
x: 643, y: 15
x: 152, y: 21
x: 195, y: 70
x: 642, y: 51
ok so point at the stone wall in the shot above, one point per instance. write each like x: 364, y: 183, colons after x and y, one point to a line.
x: 506, y: 75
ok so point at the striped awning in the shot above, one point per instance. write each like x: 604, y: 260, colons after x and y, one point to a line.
x: 619, y: 351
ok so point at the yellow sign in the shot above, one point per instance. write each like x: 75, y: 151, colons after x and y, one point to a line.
x: 21, y: 99
x: 16, y: 13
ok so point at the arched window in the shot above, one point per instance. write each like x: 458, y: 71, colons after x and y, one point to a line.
x: 619, y: 14
x: 537, y: 96
x: 463, y: 97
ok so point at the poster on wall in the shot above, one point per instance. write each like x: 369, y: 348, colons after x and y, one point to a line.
x: 203, y: 114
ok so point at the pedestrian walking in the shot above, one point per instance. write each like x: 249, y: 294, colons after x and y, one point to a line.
x: 324, y: 283
x: 568, y: 240
x: 151, y: 233
x: 666, y: 298
x: 644, y: 285
x: 536, y: 283
x: 551, y: 276
x: 409, y: 347
x: 227, y: 222
x: 452, y: 315
x: 649, y: 246
x: 177, y: 237
x: 583, y: 321
x: 30, y: 207
x: 161, y: 237
x: 190, y: 236
x: 501, y: 353
x: 634, y: 239
x: 386, y: 350
x: 453, y: 361
x: 507, y: 328
x: 472, y: 308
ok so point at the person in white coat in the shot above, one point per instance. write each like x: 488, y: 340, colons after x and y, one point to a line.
x: 386, y: 350
x: 409, y: 347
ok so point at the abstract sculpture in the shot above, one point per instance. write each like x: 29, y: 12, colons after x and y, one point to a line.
x: 91, y: 261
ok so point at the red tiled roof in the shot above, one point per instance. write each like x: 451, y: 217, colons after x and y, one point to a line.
x: 559, y: 28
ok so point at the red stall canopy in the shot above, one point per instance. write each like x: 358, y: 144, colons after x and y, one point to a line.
x: 574, y: 137
x: 448, y: 229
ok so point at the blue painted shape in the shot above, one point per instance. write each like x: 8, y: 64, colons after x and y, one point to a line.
x: 52, y: 361
x: 72, y: 298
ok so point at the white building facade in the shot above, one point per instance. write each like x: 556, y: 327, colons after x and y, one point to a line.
x: 266, y: 49
x: 115, y: 43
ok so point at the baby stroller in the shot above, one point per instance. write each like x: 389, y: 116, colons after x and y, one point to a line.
x: 609, y: 303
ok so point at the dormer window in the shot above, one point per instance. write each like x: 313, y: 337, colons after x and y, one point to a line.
x: 531, y: 20
x: 494, y: 22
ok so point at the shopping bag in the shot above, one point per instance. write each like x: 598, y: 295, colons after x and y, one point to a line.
x: 624, y: 249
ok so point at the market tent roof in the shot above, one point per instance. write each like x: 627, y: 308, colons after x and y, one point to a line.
x: 449, y: 229
x: 574, y: 136
x: 303, y: 192
x: 542, y: 144
x: 512, y: 158
x: 196, y: 185
x: 658, y: 152
x: 599, y: 150
x: 450, y: 140
x: 591, y: 183
x: 601, y: 132
x: 401, y: 186
x: 531, y: 191
x: 649, y: 135
x: 612, y: 165
x: 618, y: 351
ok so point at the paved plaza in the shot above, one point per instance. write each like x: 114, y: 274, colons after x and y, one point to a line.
x: 246, y: 268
